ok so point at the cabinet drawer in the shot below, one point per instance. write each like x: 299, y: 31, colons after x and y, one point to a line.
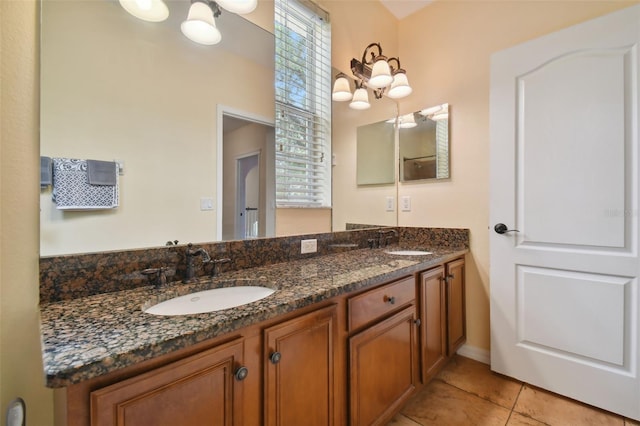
x: 373, y: 304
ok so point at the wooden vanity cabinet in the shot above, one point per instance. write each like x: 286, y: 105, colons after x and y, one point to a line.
x: 299, y: 381
x: 383, y: 361
x: 203, y: 389
x: 442, y: 312
x: 456, y: 310
x: 433, y: 315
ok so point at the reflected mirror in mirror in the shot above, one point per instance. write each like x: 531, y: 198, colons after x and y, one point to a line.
x: 114, y: 87
x: 375, y: 154
x: 424, y: 144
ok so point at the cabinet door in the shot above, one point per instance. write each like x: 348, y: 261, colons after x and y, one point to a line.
x: 457, y: 329
x: 199, y: 390
x: 433, y: 329
x: 299, y: 383
x: 383, y: 368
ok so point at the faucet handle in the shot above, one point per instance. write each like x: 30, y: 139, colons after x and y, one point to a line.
x: 157, y: 276
x: 216, y: 262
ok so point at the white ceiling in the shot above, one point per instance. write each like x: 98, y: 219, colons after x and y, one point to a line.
x: 403, y: 8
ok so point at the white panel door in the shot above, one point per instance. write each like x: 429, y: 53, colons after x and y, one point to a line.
x: 564, y: 183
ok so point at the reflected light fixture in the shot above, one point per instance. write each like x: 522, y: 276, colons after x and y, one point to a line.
x: 200, y: 25
x: 407, y: 121
x: 382, y: 75
x: 147, y: 10
x: 438, y: 112
x: 238, y: 6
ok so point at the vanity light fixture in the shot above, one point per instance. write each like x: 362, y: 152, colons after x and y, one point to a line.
x: 147, y: 10
x: 382, y: 75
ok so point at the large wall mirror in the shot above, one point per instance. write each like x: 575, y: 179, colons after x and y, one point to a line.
x: 117, y: 88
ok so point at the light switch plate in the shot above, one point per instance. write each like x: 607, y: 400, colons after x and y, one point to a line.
x: 206, y: 203
x: 406, y: 203
x: 390, y: 204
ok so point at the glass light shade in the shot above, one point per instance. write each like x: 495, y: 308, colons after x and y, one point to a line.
x: 341, y: 90
x: 147, y: 10
x: 200, y: 25
x: 400, y: 86
x: 408, y: 121
x: 380, y: 75
x: 238, y: 6
x: 360, y: 99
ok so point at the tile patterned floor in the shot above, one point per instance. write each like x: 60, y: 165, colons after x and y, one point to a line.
x: 466, y: 392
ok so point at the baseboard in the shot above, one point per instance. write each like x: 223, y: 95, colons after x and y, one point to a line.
x: 478, y: 354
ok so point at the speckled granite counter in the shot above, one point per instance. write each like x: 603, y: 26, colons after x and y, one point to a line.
x: 91, y: 336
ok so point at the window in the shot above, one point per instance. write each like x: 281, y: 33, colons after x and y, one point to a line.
x: 303, y: 104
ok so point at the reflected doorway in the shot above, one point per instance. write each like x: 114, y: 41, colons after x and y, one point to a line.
x: 247, y: 224
x: 248, y: 182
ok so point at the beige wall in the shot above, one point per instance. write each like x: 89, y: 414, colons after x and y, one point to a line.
x: 293, y: 221
x: 356, y: 24
x: 446, y: 50
x: 20, y: 358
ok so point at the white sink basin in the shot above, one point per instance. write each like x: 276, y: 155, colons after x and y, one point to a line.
x: 212, y: 300
x: 408, y: 252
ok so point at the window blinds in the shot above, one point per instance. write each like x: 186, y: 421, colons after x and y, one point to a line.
x: 442, y: 148
x: 303, y: 104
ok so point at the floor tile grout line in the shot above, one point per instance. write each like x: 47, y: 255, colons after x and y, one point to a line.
x: 479, y: 396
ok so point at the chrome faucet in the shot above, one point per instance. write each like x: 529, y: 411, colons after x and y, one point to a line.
x: 190, y: 255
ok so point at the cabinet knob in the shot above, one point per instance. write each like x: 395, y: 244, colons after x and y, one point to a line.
x: 448, y: 277
x: 391, y: 300
x: 241, y: 373
x: 275, y: 357
x: 417, y: 322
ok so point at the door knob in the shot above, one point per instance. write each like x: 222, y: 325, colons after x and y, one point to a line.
x: 501, y: 228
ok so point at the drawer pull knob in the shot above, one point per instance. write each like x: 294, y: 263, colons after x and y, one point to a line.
x: 417, y: 322
x: 275, y: 357
x: 391, y: 300
x: 241, y: 373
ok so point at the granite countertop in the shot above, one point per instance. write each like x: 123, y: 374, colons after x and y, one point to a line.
x: 92, y: 336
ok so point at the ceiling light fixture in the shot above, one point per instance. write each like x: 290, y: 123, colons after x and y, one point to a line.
x: 382, y: 75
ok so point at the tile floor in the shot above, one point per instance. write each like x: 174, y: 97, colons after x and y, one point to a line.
x: 466, y: 392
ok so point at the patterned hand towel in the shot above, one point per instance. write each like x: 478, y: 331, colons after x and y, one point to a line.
x: 72, y: 190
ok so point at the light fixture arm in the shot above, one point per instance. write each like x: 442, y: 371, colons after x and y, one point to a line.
x: 373, y: 55
x: 396, y: 69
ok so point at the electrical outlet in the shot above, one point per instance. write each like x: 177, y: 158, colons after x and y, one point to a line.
x: 391, y: 204
x: 406, y: 203
x: 308, y: 246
